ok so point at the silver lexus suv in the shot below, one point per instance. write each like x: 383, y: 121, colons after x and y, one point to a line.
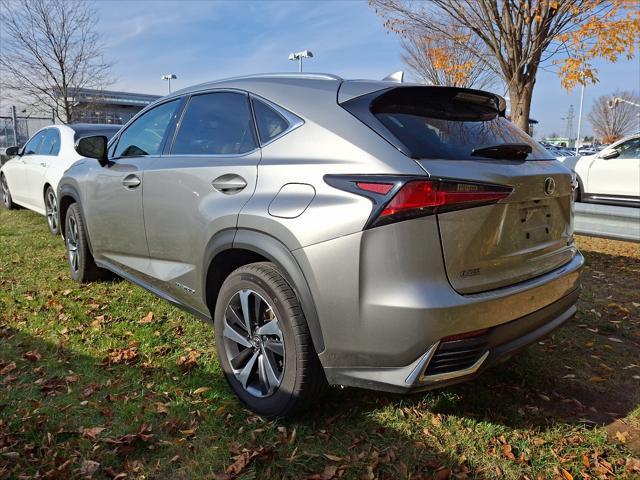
x: 374, y: 234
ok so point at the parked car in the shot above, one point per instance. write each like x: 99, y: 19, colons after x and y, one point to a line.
x: 364, y: 233
x: 31, y: 177
x: 610, y: 176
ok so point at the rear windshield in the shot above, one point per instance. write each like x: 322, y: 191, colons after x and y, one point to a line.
x: 446, y: 123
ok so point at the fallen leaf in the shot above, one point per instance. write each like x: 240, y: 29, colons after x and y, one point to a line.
x: 148, y: 318
x: 88, y: 468
x: 442, y: 474
x: 9, y: 367
x: 162, y: 407
x: 200, y: 390
x: 596, y: 379
x: 566, y: 474
x: 333, y: 458
x: 189, y: 361
x: 622, y: 436
x: 92, y: 432
x: 32, y: 356
x: 122, y: 355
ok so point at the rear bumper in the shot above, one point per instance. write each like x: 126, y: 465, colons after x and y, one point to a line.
x: 499, y: 344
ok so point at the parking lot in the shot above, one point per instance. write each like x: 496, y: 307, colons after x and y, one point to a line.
x: 106, y: 381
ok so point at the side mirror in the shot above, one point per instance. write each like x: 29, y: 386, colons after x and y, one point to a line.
x: 12, y: 151
x: 93, y: 147
x: 613, y: 153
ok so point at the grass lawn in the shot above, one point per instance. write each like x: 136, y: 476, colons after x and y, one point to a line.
x: 106, y: 381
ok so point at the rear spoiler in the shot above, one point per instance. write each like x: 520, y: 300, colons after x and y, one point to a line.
x: 350, y: 89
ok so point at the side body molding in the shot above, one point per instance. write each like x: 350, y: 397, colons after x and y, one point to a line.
x: 279, y: 254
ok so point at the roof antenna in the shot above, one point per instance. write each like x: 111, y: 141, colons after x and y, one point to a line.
x: 396, y: 77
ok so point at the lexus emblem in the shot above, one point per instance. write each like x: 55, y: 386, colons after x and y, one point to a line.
x: 549, y: 186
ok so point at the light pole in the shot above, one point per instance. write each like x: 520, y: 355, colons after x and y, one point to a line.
x: 299, y: 56
x: 614, y: 101
x: 169, y: 77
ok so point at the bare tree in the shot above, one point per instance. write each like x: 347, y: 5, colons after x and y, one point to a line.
x: 50, y: 50
x: 442, y: 61
x: 521, y: 35
x: 611, y: 124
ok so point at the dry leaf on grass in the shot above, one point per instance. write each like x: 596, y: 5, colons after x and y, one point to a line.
x: 122, y: 355
x: 148, y: 318
x: 189, y: 360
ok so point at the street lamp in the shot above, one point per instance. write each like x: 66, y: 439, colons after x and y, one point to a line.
x: 299, y: 56
x: 169, y: 77
x: 614, y: 101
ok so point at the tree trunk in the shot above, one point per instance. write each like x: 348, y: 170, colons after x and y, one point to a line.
x: 520, y: 99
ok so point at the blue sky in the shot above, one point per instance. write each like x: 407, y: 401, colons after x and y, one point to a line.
x: 206, y: 40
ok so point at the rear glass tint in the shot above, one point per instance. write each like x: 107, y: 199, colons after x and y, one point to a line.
x: 270, y: 123
x: 445, y: 123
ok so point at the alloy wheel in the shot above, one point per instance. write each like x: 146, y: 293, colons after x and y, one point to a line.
x: 254, y: 343
x: 52, y: 210
x: 72, y: 241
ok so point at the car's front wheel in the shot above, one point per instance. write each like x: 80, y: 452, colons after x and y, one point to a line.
x: 81, y: 264
x: 7, y: 201
x: 51, y: 209
x: 264, y: 344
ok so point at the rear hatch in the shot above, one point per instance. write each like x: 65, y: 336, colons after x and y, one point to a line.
x: 462, y: 134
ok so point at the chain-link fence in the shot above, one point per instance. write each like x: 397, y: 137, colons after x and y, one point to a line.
x: 26, y: 126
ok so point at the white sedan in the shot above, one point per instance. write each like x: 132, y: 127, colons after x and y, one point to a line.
x: 611, y: 175
x: 30, y: 179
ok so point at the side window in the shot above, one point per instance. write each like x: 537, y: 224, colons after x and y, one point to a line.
x: 51, y: 143
x: 145, y: 135
x: 216, y: 124
x: 630, y: 149
x: 31, y: 148
x: 270, y: 123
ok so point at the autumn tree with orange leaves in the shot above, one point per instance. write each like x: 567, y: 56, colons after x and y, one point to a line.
x: 436, y: 60
x: 515, y: 38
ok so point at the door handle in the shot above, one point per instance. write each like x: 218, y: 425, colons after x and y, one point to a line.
x: 229, y: 183
x: 43, y: 164
x: 131, y: 181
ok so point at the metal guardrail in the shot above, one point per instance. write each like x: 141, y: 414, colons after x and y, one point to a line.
x: 607, y: 221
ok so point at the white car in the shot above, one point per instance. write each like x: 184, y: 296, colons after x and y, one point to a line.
x: 611, y: 175
x: 30, y: 179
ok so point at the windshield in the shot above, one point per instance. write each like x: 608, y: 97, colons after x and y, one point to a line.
x: 447, y: 123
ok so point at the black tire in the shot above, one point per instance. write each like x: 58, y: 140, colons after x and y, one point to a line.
x: 81, y: 264
x: 51, y: 210
x: 7, y: 200
x: 576, y: 195
x: 302, y: 378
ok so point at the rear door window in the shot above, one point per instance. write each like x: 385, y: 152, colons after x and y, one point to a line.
x: 51, y: 143
x: 218, y: 123
x: 270, y: 123
x: 31, y: 148
x: 444, y: 123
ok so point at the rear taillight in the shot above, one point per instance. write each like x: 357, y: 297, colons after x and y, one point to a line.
x: 401, y: 198
x: 425, y: 197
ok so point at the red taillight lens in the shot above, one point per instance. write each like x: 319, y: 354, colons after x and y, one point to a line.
x: 381, y: 188
x: 423, y: 197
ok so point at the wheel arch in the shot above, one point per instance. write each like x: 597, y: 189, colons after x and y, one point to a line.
x: 67, y: 196
x: 232, y: 249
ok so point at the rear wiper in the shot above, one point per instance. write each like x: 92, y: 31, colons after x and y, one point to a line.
x: 504, y: 151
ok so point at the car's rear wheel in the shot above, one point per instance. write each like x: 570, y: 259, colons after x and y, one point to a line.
x: 7, y: 201
x: 51, y: 209
x: 263, y: 342
x: 81, y: 264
